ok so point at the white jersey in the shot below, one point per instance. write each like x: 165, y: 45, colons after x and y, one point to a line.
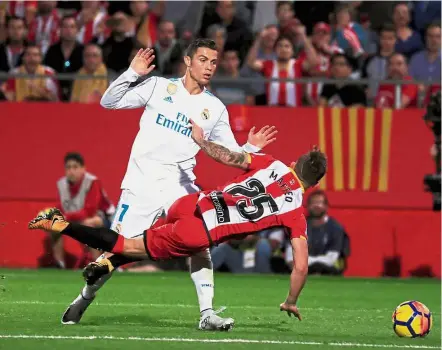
x: 163, y: 149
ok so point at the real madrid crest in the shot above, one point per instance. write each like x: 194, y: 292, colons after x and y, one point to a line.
x: 171, y: 89
x: 205, y: 114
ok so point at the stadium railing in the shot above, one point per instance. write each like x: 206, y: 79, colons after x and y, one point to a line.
x: 260, y: 80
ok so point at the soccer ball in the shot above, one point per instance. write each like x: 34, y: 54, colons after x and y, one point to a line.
x: 412, y: 319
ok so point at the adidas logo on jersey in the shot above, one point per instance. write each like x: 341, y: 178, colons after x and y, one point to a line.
x: 168, y: 99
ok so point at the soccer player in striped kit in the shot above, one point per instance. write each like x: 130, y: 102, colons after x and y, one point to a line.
x: 160, y: 167
x: 269, y: 194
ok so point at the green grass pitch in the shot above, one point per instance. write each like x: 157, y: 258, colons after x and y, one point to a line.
x: 159, y: 311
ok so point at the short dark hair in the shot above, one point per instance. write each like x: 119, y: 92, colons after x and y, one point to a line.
x: 64, y: 18
x: 32, y: 45
x: 284, y: 37
x: 200, y: 42
x: 75, y: 156
x: 311, y: 167
x: 388, y: 27
x: 282, y: 3
x: 15, y: 18
x: 351, y: 62
x: 317, y: 193
x: 435, y: 24
x: 397, y: 54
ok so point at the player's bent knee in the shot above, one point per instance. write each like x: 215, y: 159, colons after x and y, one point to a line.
x: 134, y: 248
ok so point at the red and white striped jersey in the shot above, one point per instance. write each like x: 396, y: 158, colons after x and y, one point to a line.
x: 45, y: 31
x: 269, y: 194
x: 283, y: 93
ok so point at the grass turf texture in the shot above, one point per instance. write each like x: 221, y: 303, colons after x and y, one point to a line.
x: 163, y: 306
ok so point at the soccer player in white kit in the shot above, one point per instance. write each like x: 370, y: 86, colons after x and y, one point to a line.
x: 160, y: 168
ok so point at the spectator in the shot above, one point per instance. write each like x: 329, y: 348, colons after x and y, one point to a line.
x: 23, y: 9
x: 408, y: 41
x: 375, y: 67
x: 90, y: 89
x: 328, y: 244
x: 144, y: 22
x: 425, y: 65
x: 12, y: 51
x: 117, y: 48
x: 266, y: 51
x: 397, y: 70
x: 240, y: 256
x: 285, y: 15
x: 349, y: 36
x: 91, y: 23
x: 239, y: 37
x: 32, y: 89
x: 66, y: 56
x: 283, y: 93
x: 218, y: 34
x: 372, y: 37
x: 425, y: 13
x: 44, y: 29
x: 342, y: 94
x: 168, y: 51
x: 82, y: 199
x: 235, y: 92
x: 324, y: 50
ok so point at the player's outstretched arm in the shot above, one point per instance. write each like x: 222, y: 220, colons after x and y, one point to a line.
x: 219, y: 153
x: 120, y: 96
x: 298, y: 276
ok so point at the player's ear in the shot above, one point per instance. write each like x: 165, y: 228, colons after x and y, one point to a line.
x: 187, y: 60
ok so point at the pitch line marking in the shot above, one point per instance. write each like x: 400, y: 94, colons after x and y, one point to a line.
x: 195, y: 340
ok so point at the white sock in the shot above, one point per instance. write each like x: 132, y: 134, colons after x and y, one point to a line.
x: 89, y: 291
x: 201, y: 273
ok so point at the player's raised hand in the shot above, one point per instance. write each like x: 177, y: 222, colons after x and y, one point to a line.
x: 263, y: 137
x: 142, y: 62
x: 291, y: 309
x: 197, y: 132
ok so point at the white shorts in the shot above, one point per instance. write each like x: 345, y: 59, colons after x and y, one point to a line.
x: 135, y: 214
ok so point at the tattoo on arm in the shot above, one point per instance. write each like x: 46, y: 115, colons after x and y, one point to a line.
x: 223, y: 155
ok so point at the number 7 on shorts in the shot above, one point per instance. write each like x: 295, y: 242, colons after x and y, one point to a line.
x: 124, y: 207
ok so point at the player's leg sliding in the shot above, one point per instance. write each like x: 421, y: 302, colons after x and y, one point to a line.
x: 96, y: 275
x: 201, y: 271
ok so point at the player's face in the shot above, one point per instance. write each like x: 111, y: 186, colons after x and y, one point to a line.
x: 397, y: 67
x: 203, y: 65
x: 317, y: 206
x: 74, y: 171
x: 284, y: 50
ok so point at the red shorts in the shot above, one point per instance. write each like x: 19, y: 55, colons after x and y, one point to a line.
x: 181, y: 234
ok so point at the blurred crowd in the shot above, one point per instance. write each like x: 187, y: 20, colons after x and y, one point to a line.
x: 343, y: 40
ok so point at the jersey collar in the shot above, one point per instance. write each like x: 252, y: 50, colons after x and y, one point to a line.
x: 297, y: 178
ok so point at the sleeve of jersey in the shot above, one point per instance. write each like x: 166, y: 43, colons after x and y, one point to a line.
x: 222, y: 134
x: 298, y: 227
x: 120, y: 96
x: 259, y: 161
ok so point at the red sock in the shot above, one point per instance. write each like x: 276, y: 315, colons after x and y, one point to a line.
x: 119, y: 246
